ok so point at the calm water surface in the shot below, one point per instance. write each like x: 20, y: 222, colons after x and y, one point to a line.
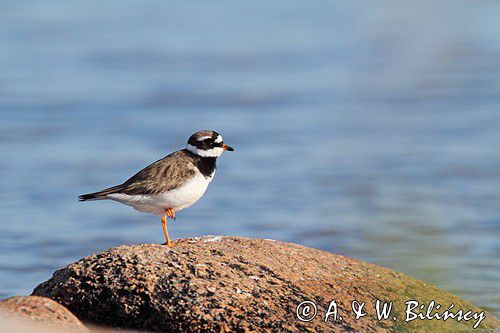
x: 366, y: 130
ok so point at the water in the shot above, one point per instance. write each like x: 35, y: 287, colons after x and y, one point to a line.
x: 369, y: 130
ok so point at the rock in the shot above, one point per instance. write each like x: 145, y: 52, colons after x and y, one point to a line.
x: 239, y: 284
x: 14, y: 324
x: 41, y: 310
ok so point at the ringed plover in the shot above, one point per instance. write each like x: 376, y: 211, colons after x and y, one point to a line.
x: 171, y: 184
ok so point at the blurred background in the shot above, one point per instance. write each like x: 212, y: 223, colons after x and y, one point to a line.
x: 365, y: 129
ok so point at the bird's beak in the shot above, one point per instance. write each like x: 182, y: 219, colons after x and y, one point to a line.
x: 226, y: 147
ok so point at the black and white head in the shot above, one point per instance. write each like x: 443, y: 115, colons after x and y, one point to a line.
x: 207, y: 144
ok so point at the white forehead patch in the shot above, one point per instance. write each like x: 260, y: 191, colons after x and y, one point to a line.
x: 219, y: 139
x: 201, y: 138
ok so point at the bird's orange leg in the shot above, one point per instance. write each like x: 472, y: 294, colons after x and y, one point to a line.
x: 170, y: 213
x: 165, y: 231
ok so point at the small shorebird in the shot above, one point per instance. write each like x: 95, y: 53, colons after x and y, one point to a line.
x: 171, y: 184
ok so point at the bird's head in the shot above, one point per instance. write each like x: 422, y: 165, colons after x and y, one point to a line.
x: 207, y: 144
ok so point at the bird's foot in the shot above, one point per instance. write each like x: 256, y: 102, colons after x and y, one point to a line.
x: 169, y: 244
x: 170, y: 213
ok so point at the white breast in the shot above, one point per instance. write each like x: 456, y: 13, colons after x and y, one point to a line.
x: 177, y: 199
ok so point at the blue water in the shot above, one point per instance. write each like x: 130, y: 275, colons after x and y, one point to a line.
x: 369, y: 130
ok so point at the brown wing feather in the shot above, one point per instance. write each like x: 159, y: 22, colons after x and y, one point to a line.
x: 163, y: 175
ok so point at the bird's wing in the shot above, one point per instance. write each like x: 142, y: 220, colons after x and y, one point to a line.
x: 163, y: 175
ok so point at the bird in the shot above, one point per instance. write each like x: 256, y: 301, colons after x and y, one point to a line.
x: 172, y: 183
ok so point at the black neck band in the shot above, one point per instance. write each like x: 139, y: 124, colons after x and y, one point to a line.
x: 206, y: 165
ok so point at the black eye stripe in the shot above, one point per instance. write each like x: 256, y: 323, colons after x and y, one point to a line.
x: 213, y: 143
x: 210, y: 143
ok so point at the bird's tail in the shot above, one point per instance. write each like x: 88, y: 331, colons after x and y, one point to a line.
x: 101, y: 195
x: 91, y: 196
